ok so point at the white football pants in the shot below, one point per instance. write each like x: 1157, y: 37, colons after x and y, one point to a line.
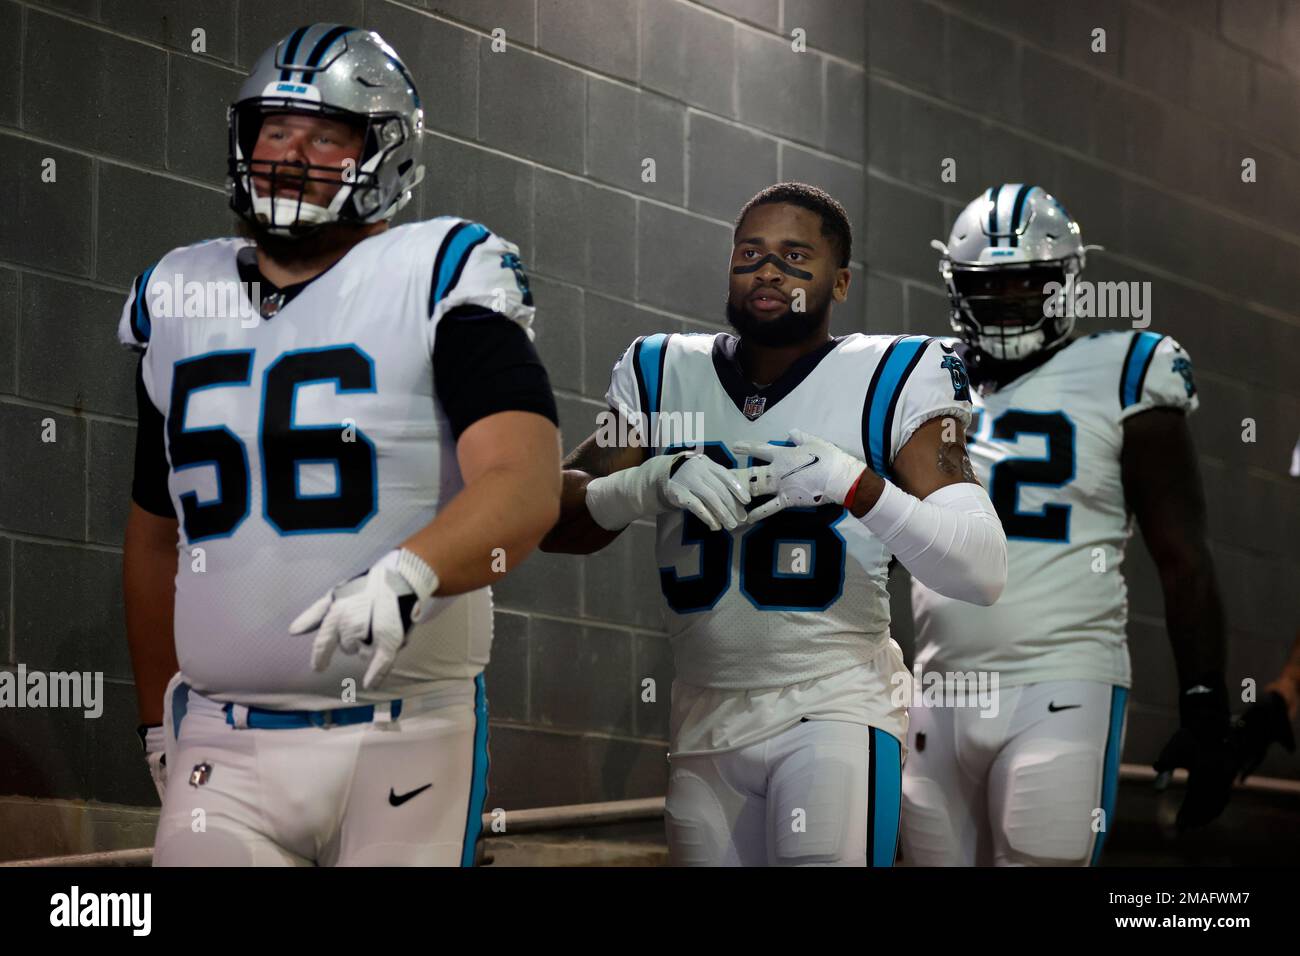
x: 1034, y: 785
x: 823, y: 793
x: 402, y: 792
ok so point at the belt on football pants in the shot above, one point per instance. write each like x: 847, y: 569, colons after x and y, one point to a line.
x: 241, y: 716
x: 260, y: 718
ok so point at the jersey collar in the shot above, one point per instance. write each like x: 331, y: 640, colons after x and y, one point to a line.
x: 733, y: 380
x: 983, y: 369
x: 273, y: 297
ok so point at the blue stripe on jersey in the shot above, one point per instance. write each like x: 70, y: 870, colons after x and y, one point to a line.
x: 141, y: 324
x: 291, y: 51
x: 1136, y: 363
x: 891, y: 376
x: 886, y: 797
x: 1110, y: 767
x: 650, y: 366
x: 452, y: 258
x: 478, y: 782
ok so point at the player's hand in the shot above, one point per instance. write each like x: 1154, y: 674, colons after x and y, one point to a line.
x: 812, y: 472
x: 709, y: 491
x: 153, y: 741
x: 686, y: 481
x: 1263, y: 723
x: 370, y: 614
x: 1203, y: 747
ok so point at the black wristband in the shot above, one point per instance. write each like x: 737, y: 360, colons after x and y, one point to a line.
x: 681, y: 460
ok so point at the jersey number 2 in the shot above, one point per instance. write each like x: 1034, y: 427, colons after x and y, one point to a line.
x: 1055, y: 470
x: 284, y: 446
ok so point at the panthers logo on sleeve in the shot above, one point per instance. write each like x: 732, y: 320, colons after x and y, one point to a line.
x: 476, y: 267
x: 1183, y: 366
x: 511, y: 261
x: 960, y: 381
x: 1156, y: 372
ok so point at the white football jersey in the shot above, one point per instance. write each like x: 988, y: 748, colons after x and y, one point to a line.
x: 305, y: 446
x: 1047, y: 447
x: 782, y: 605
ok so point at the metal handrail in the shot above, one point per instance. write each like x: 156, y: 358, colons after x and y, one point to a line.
x: 600, y: 814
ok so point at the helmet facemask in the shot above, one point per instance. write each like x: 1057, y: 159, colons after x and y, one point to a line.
x: 1006, y: 310
x: 282, y: 210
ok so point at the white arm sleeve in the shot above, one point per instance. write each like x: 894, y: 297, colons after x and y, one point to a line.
x: 615, y: 501
x: 952, y: 542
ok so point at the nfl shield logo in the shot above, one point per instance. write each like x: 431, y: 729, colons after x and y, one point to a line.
x: 754, y: 406
x: 272, y: 304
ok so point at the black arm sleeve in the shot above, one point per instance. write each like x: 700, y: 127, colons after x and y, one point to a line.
x: 484, y: 363
x: 149, y: 486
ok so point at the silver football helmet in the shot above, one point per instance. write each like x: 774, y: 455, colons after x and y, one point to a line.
x: 1006, y: 247
x: 342, y: 73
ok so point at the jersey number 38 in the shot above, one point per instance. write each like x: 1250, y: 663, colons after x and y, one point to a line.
x: 762, y: 581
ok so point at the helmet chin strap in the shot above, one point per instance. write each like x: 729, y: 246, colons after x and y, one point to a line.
x: 280, y: 216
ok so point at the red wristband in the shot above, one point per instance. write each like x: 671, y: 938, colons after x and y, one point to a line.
x: 853, y: 490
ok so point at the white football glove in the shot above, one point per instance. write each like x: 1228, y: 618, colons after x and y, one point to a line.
x: 153, y: 739
x: 714, y: 494
x: 371, y: 614
x: 812, y: 472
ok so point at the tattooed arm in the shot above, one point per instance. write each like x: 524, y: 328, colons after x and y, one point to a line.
x: 577, y: 532
x: 937, y: 520
x: 933, y: 458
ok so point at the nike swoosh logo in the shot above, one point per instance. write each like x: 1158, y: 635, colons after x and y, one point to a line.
x: 1052, y: 708
x: 806, y: 464
x: 397, y: 801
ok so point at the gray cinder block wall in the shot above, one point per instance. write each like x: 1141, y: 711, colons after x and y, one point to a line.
x: 545, y: 142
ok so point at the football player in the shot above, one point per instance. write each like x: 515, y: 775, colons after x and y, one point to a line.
x: 1073, y: 436
x: 318, y: 478
x: 788, y: 710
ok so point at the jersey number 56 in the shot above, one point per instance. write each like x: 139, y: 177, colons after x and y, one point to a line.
x: 284, y: 446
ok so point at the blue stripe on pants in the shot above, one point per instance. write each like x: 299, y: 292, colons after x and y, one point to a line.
x: 1110, y: 766
x: 886, y: 797
x: 478, y: 782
